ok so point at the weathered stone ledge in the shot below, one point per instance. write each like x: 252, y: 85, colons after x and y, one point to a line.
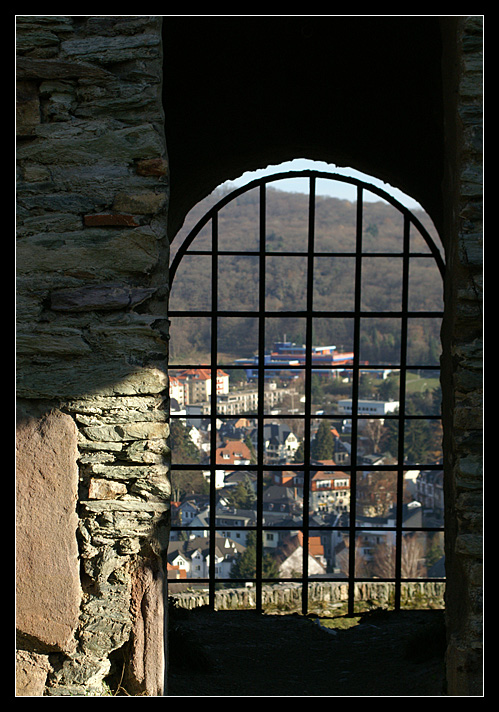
x: 98, y: 507
x: 321, y: 596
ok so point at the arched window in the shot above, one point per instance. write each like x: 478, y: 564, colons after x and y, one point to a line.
x: 304, y: 384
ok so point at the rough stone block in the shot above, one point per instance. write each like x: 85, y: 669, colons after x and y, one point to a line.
x: 152, y: 167
x: 31, y: 673
x: 107, y: 297
x: 147, y: 665
x: 141, y: 204
x: 110, y: 219
x: 104, y: 489
x: 48, y: 585
x: 27, y: 108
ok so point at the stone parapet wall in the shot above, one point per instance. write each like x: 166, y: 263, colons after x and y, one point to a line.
x: 322, y: 597
x: 92, y: 257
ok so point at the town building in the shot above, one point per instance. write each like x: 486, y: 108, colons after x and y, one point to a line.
x: 430, y: 492
x: 191, y: 558
x: 245, y: 400
x: 178, y: 390
x: 279, y: 442
x: 193, y: 385
x: 233, y: 452
x: 286, y: 360
x: 330, y: 491
x: 369, y: 407
x: 289, y: 557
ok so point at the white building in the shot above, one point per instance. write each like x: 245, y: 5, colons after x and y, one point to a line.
x: 196, y: 385
x: 245, y: 400
x: 369, y: 407
x: 178, y: 390
x: 193, y: 557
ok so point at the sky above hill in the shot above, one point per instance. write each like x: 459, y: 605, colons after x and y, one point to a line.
x: 329, y: 188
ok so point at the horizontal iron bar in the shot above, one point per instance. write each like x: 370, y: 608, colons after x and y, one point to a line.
x: 298, y: 367
x: 293, y: 253
x: 298, y: 467
x: 318, y: 416
x: 311, y: 579
x: 311, y: 528
x: 302, y: 314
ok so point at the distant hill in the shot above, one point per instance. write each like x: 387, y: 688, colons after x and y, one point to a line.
x: 286, y: 231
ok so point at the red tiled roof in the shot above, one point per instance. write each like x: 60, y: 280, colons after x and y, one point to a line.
x: 235, y: 450
x: 201, y: 373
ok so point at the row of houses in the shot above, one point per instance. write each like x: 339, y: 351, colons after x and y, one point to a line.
x: 329, y: 497
x: 282, y: 520
x: 328, y: 551
x: 280, y: 443
x: 190, y: 559
x: 329, y: 487
x: 192, y: 386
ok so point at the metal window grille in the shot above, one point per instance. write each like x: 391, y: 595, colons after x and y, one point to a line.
x: 353, y: 532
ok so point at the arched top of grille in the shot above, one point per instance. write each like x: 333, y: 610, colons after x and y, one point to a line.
x: 313, y: 176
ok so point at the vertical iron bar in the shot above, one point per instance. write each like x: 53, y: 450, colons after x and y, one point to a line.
x: 213, y: 401
x: 261, y: 396
x: 355, y: 408
x: 402, y: 399
x: 308, y: 392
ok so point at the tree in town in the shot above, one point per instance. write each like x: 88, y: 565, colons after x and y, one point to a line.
x: 322, y: 446
x: 244, y: 567
x: 242, y: 496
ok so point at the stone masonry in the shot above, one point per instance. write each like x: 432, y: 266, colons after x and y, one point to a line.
x: 92, y: 463
x: 463, y: 396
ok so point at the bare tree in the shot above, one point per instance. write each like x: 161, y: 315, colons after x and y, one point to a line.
x: 373, y: 430
x: 362, y: 567
x: 413, y: 565
x: 412, y: 558
x: 384, y: 560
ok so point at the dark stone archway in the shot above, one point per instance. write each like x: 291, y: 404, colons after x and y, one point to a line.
x: 249, y: 92
x: 398, y: 98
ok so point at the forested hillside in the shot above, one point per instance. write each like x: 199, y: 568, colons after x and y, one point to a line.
x: 285, y: 279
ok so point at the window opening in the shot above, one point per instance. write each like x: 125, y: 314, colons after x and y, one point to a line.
x: 294, y: 487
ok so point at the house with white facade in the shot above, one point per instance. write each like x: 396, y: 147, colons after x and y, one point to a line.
x: 245, y: 400
x: 178, y: 390
x: 196, y: 384
x: 330, y: 491
x: 193, y: 556
x: 233, y: 452
x: 289, y: 556
x: 279, y: 442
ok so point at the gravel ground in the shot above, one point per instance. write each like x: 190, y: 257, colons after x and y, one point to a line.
x: 243, y: 654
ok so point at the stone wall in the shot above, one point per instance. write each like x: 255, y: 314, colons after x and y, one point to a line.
x: 92, y: 254
x: 323, y: 597
x: 463, y: 355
